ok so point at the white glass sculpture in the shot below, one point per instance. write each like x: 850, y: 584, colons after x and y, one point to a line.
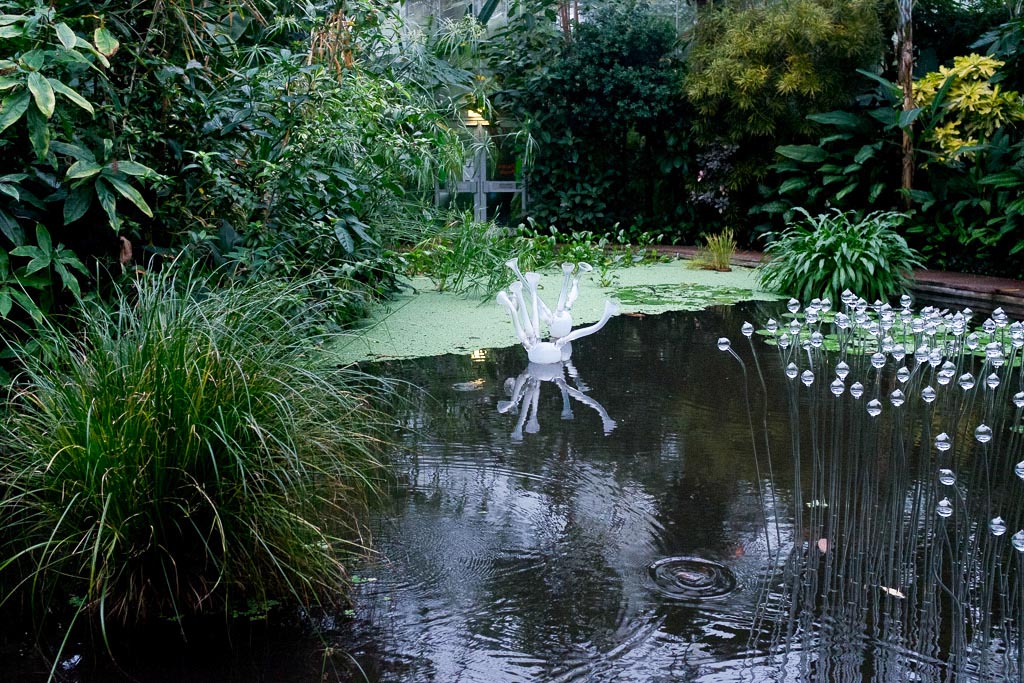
x: 529, y: 312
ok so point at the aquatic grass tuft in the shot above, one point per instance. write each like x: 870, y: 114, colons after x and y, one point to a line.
x: 184, y: 452
x: 717, y: 253
x: 464, y: 255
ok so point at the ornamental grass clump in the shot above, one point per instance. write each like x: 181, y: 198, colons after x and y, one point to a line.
x: 826, y: 254
x: 186, y: 450
x: 717, y: 253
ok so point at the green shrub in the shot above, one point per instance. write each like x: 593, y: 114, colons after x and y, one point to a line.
x: 605, y: 108
x: 758, y: 71
x: 464, y: 255
x: 186, y: 451
x: 966, y: 104
x: 823, y: 255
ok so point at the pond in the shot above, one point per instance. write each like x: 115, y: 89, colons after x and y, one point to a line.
x: 662, y: 510
x: 654, y: 513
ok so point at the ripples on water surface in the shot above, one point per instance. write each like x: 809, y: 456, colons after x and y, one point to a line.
x: 565, y: 550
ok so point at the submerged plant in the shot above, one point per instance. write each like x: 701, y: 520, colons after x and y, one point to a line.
x: 827, y: 254
x: 186, y: 451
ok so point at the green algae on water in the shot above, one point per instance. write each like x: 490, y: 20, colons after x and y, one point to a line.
x: 425, y: 322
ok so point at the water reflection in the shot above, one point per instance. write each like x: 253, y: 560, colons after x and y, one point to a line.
x: 566, y: 555
x: 527, y: 386
x: 530, y: 559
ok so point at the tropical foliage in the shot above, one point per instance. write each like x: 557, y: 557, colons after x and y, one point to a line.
x: 759, y: 71
x: 969, y: 107
x: 820, y: 256
x: 609, y: 152
x: 266, y: 140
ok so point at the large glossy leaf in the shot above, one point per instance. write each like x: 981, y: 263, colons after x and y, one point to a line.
x: 11, y: 229
x: 343, y: 237
x: 908, y: 116
x: 42, y: 93
x: 71, y: 95
x: 133, y: 168
x: 38, y: 132
x: 108, y: 202
x: 40, y: 259
x: 43, y: 239
x: 83, y: 43
x: 67, y: 278
x: 77, y: 203
x: 5, y: 302
x: 876, y: 190
x: 27, y: 304
x: 106, y: 43
x: 361, y: 229
x: 806, y: 153
x: 83, y: 169
x: 792, y: 184
x: 74, y: 151
x: 66, y: 36
x: 1013, y: 179
x: 843, y: 119
x: 12, y: 107
x: 866, y: 152
x: 129, y: 193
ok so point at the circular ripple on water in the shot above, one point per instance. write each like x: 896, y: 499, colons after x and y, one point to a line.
x: 691, y: 578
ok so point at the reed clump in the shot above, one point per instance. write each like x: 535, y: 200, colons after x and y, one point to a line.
x: 185, y: 451
x: 717, y: 253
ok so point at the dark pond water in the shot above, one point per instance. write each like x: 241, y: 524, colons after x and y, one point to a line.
x: 652, y: 528
x: 654, y: 513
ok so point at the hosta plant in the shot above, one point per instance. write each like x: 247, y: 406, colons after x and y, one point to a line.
x: 823, y: 255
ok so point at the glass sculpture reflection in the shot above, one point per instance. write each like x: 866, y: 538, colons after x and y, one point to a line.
x: 524, y: 395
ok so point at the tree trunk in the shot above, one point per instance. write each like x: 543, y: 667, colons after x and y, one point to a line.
x: 905, y: 77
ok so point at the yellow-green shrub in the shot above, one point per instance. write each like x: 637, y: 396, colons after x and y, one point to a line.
x: 972, y: 108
